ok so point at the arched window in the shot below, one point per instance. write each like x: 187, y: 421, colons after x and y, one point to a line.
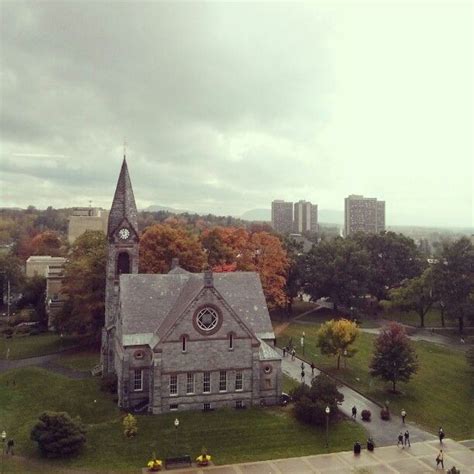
x: 184, y: 343
x: 231, y: 341
x: 123, y: 263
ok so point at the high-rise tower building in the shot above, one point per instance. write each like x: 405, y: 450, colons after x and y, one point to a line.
x: 305, y: 217
x: 282, y: 216
x: 363, y: 214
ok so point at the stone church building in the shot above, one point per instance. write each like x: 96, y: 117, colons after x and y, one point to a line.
x: 181, y: 340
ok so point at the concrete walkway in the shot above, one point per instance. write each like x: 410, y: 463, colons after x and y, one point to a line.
x: 420, y: 458
x: 383, y: 432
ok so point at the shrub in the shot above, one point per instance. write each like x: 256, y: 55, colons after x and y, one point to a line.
x: 8, y: 332
x: 130, y: 426
x: 385, y: 413
x: 23, y: 329
x: 108, y: 383
x: 366, y: 415
x: 58, y: 435
x: 311, y: 407
x: 298, y: 392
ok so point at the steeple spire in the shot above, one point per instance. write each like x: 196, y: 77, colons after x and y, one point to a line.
x: 123, y: 205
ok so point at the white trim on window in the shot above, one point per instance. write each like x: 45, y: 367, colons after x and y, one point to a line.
x: 206, y: 382
x: 173, y: 385
x: 189, y: 383
x: 222, y: 381
x: 138, y: 380
x: 239, y: 381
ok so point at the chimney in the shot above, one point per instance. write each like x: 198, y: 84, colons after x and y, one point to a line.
x: 174, y: 263
x: 208, y: 279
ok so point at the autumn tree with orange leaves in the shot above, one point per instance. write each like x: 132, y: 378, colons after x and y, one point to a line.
x: 162, y: 242
x: 236, y: 249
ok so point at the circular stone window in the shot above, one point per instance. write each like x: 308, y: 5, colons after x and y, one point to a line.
x: 207, y: 319
x: 268, y: 369
x: 139, y: 354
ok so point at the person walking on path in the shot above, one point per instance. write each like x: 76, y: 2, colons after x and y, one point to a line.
x: 293, y: 353
x: 407, y: 439
x: 302, y: 376
x: 440, y: 459
x: 10, y: 446
x: 312, y: 368
x: 404, y: 414
x: 284, y: 351
x: 441, y: 435
x: 400, y: 440
x: 354, y: 412
x: 302, y: 366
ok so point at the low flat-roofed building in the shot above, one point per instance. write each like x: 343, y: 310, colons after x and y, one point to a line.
x: 38, y: 264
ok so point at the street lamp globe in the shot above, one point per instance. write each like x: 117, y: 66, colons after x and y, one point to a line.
x: 328, y: 410
x: 4, y: 435
x: 176, y: 422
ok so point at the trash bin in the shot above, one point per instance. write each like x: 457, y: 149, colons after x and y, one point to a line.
x: 357, y: 447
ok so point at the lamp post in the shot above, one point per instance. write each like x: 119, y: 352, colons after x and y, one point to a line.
x: 328, y: 410
x: 4, y: 437
x: 345, y: 358
x: 302, y: 340
x: 176, y: 424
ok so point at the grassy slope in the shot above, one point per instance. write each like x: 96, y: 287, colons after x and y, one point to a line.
x: 440, y: 394
x: 84, y: 360
x: 230, y: 435
x: 31, y: 346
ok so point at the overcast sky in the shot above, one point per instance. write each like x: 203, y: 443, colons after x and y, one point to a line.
x: 227, y: 106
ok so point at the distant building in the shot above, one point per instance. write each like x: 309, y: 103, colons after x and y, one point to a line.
x: 306, y: 244
x: 39, y: 264
x: 54, y: 298
x: 86, y: 218
x: 363, y: 214
x: 305, y: 217
x: 282, y: 216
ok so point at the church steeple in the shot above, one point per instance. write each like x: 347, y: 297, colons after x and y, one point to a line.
x: 123, y: 205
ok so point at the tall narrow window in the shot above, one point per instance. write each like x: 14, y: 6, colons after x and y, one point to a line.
x: 190, y: 383
x: 138, y: 380
x: 123, y: 263
x: 231, y: 341
x: 183, y: 343
x: 206, y: 382
x: 222, y: 381
x: 173, y: 384
x: 239, y: 380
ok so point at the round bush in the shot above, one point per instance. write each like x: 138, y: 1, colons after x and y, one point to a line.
x: 366, y: 415
x: 58, y: 435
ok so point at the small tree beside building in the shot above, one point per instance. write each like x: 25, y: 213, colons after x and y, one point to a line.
x: 394, y: 359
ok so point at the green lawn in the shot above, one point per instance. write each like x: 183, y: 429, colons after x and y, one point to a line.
x: 299, y: 307
x: 432, y: 318
x: 289, y: 383
x: 22, y: 347
x: 230, y: 435
x: 83, y: 360
x: 440, y: 394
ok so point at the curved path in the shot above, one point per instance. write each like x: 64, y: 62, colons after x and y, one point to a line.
x: 383, y: 432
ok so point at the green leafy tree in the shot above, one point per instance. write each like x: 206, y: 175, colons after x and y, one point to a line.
x: 311, y: 406
x: 34, y: 295
x: 337, y: 269
x: 416, y: 295
x: 392, y: 259
x: 454, y: 279
x: 294, y: 251
x: 335, y: 337
x: 84, y: 286
x: 10, y: 271
x: 58, y: 435
x: 394, y: 359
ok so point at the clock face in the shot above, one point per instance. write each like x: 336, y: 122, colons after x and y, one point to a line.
x: 124, y: 234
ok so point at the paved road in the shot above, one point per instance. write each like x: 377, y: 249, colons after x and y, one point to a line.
x: 383, y: 432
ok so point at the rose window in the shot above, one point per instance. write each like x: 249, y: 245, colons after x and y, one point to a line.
x: 207, y: 319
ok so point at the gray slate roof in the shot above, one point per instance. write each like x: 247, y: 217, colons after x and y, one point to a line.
x: 151, y: 302
x: 123, y: 205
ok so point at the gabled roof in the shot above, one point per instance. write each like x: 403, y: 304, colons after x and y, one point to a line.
x: 151, y: 303
x: 123, y: 205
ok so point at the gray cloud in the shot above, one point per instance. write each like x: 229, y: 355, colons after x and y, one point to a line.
x: 225, y: 106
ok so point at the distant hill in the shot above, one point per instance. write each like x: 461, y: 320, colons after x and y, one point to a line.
x: 328, y: 216
x: 156, y: 208
x: 264, y: 215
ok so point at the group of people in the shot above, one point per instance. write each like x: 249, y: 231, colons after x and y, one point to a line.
x: 404, y: 439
